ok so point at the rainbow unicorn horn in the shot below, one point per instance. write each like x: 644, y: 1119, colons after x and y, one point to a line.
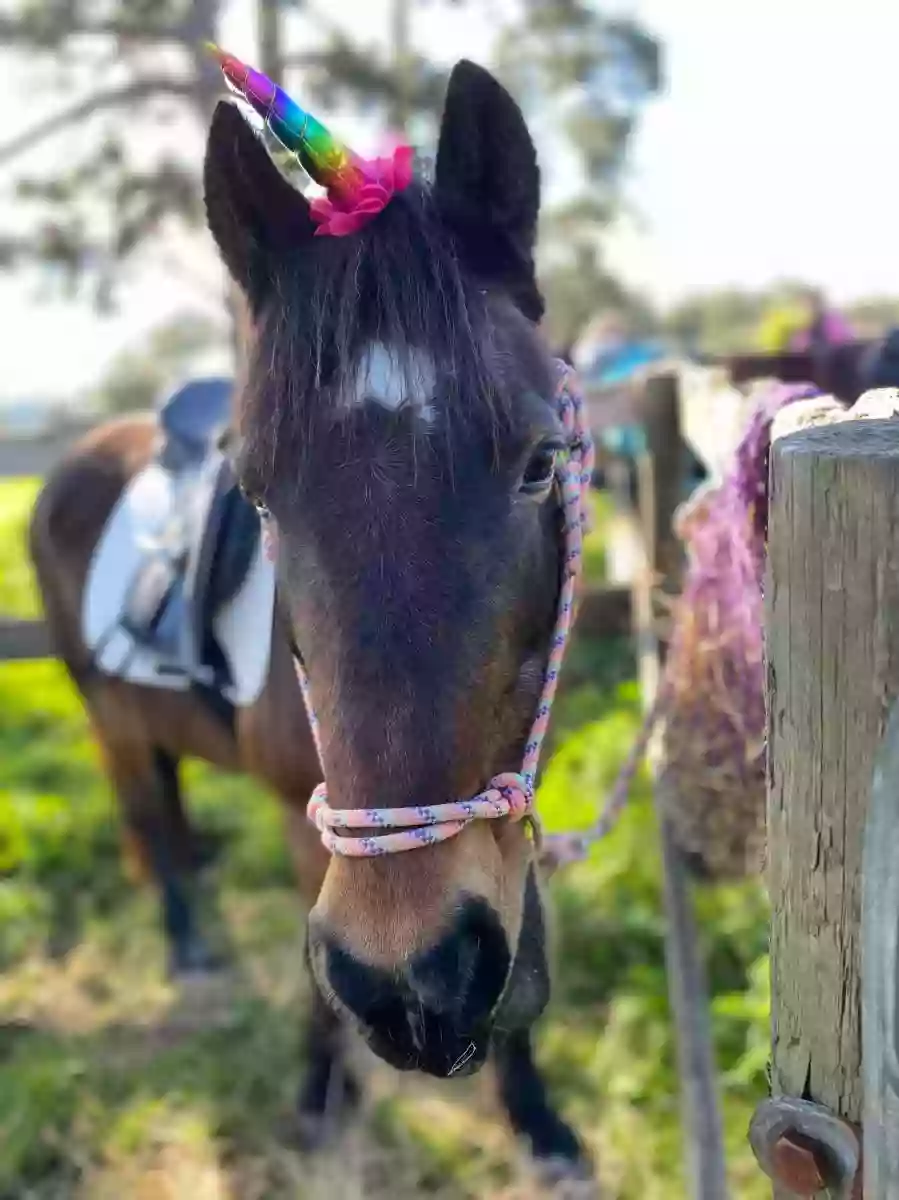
x: 326, y: 160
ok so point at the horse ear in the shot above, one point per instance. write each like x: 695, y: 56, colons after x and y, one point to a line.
x: 487, y: 182
x: 254, y: 214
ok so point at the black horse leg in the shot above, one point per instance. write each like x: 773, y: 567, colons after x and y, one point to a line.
x: 554, y: 1145
x: 152, y: 808
x: 328, y: 1089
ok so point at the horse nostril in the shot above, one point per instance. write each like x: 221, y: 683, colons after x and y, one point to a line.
x: 464, y: 975
x: 433, y: 1044
x: 435, y: 1013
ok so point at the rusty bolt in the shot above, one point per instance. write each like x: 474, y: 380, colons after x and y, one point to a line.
x: 799, y: 1164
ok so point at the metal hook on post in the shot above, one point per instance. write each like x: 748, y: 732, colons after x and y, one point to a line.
x: 806, y: 1149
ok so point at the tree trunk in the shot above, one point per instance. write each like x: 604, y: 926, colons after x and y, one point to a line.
x: 203, y: 27
x: 268, y: 28
x: 400, y: 35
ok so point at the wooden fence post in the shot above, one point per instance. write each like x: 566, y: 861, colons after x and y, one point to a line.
x: 660, y: 481
x: 661, y: 474
x: 832, y: 599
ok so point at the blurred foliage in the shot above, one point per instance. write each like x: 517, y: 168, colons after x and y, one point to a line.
x: 739, y: 320
x: 137, y: 377
x: 120, y: 73
x: 717, y: 322
x: 116, y: 1085
x: 141, y: 70
x: 18, y: 591
x: 780, y: 322
x: 575, y: 281
x: 588, y: 75
x: 872, y: 315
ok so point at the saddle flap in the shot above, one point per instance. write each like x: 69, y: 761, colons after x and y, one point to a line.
x: 221, y: 556
x: 179, y: 590
x: 150, y: 612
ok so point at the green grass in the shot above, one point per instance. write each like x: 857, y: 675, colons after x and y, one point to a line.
x: 18, y: 593
x: 115, y: 1085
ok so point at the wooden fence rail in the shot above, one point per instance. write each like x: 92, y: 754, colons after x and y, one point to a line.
x: 21, y: 457
x: 20, y: 640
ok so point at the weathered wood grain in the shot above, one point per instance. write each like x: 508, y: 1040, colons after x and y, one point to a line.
x: 832, y: 614
x: 880, y: 974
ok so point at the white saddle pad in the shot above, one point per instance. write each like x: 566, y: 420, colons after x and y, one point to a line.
x: 145, y: 516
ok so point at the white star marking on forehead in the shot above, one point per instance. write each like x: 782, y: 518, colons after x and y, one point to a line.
x: 394, y: 381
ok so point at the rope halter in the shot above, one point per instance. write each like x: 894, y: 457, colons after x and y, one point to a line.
x: 392, y: 830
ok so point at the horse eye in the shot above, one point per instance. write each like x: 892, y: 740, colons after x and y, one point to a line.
x: 541, y: 469
x: 262, y: 509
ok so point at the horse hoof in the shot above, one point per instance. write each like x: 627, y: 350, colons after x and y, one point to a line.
x: 313, y: 1131
x: 567, y: 1178
x: 195, y: 960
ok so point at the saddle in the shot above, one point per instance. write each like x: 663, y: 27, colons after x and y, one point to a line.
x: 194, y: 562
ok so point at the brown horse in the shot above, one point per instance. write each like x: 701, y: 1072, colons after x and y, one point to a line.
x: 420, y: 558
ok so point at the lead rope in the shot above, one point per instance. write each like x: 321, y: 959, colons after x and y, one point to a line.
x: 510, y: 794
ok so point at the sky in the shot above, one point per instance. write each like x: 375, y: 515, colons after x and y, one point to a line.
x: 771, y: 154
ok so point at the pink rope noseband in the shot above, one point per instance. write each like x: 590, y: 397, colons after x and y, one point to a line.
x: 510, y: 794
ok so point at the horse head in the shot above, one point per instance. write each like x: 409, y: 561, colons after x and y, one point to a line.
x: 398, y: 428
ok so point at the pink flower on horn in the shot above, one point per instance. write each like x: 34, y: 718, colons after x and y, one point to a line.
x: 384, y: 177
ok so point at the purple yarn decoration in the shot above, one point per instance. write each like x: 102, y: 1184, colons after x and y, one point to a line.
x: 715, y: 711
x: 749, y: 478
x: 726, y: 542
x: 712, y: 694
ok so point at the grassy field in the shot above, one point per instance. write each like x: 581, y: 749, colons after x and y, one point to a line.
x: 115, y: 1086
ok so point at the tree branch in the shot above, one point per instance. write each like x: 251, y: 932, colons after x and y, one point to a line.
x: 308, y: 58
x: 96, y: 102
x: 17, y: 31
x: 341, y: 69
x: 324, y: 21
